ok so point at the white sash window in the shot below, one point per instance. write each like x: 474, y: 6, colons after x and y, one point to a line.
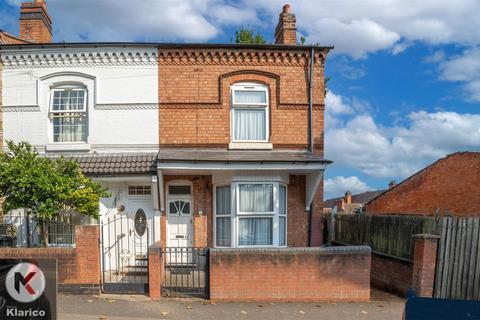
x: 249, y: 113
x: 68, y: 114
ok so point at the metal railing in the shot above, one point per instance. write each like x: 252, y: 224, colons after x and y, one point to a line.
x: 27, y: 231
x: 185, y: 272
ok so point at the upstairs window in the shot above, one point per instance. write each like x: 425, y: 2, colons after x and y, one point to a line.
x: 249, y: 113
x: 68, y: 113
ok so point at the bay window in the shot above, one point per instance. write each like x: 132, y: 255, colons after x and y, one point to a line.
x: 249, y: 113
x: 250, y: 214
x: 68, y: 115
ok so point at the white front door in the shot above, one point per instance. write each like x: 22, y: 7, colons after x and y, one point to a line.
x: 140, y: 213
x: 180, y: 226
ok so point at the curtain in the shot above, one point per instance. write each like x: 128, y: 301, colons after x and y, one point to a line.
x: 283, y: 200
x: 255, y: 231
x: 250, y: 97
x: 281, y: 231
x: 69, y: 128
x: 250, y: 124
x: 256, y: 197
x: 223, y: 200
x: 223, y: 232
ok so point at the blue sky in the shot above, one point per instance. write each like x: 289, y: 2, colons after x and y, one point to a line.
x: 405, y: 74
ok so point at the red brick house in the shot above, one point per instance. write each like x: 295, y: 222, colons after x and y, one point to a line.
x: 451, y: 184
x: 239, y: 121
x: 204, y: 148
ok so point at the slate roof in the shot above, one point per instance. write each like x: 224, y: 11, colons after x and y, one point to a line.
x: 116, y: 163
x: 222, y: 155
x: 363, y: 197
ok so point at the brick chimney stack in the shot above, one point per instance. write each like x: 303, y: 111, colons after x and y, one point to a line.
x: 286, y: 30
x: 348, y: 197
x: 35, y: 23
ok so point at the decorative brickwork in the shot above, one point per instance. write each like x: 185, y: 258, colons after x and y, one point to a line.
x: 340, y: 273
x: 195, y: 98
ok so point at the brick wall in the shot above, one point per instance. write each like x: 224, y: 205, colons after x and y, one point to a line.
x: 194, y: 95
x: 452, y: 183
x: 391, y: 274
x: 78, y: 267
x: 336, y: 273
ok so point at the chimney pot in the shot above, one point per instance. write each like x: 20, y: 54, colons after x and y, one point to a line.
x: 286, y: 8
x: 392, y: 184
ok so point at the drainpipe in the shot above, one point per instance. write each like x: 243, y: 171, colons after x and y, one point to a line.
x: 310, y: 135
x: 310, y: 101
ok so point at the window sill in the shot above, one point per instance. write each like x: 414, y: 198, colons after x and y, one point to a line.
x: 68, y: 146
x: 250, y: 146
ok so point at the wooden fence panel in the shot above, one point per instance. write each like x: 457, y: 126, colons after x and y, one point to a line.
x: 458, y: 260
x: 388, y: 234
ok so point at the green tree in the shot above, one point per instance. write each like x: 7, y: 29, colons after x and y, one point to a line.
x: 244, y: 35
x: 325, y: 85
x: 45, y: 187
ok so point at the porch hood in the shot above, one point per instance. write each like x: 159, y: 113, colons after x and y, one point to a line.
x: 210, y: 161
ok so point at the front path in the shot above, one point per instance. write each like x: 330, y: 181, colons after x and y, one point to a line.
x: 123, y: 307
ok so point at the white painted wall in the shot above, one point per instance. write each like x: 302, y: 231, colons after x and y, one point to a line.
x: 122, y: 95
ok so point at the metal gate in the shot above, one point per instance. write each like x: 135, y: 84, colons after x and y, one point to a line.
x: 185, y: 272
x: 125, y: 245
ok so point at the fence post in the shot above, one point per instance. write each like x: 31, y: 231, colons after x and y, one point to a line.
x: 155, y: 270
x: 424, y: 264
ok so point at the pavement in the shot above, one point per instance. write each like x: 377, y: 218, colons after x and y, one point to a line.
x: 123, y: 307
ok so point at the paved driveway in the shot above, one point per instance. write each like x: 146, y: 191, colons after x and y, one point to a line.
x: 122, y: 307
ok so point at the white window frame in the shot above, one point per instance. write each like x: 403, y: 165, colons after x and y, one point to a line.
x: 53, y: 113
x: 231, y: 216
x: 235, y: 215
x: 248, y: 106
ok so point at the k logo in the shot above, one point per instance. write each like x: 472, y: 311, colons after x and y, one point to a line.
x: 25, y: 282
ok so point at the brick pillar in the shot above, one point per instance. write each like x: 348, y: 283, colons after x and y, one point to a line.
x: 424, y: 264
x: 316, y: 237
x: 155, y: 270
x: 87, y: 243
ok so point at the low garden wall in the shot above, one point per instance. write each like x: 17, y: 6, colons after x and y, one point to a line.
x: 78, y: 267
x: 290, y: 274
x: 391, y: 274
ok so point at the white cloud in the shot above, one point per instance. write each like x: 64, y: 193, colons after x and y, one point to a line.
x: 146, y: 20
x: 398, y: 151
x: 361, y: 28
x: 354, y: 28
x: 337, y: 186
x: 464, y: 68
x: 337, y: 104
x: 436, y: 57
